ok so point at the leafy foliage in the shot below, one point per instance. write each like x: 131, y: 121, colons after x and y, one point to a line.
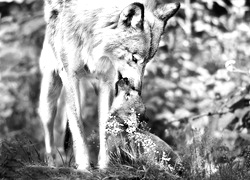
x: 187, y: 90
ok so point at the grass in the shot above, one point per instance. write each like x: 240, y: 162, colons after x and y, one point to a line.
x: 209, y: 159
x: 19, y: 159
x: 135, y: 154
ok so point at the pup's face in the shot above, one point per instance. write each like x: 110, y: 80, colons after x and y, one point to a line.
x: 127, y: 99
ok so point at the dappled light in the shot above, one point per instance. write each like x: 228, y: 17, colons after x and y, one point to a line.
x: 196, y: 92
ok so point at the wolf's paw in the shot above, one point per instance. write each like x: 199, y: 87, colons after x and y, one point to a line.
x: 103, y: 163
x: 84, y: 168
x: 50, y: 159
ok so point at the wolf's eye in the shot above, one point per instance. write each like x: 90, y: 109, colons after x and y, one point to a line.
x: 134, y: 59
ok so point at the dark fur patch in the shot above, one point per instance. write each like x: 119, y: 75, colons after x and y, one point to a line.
x: 54, y: 14
x: 132, y: 12
x: 141, y: 6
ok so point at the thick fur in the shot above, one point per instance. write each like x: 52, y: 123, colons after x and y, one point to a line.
x: 95, y: 39
x: 126, y: 133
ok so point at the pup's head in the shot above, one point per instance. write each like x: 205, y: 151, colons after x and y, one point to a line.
x: 127, y: 100
x: 134, y: 38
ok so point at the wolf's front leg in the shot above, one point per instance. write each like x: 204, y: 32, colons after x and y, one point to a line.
x: 71, y: 84
x: 104, y: 104
x: 50, y: 90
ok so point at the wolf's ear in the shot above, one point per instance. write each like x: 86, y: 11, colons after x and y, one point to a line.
x: 167, y: 11
x: 132, y: 16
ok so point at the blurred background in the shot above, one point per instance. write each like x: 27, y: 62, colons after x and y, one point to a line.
x: 186, y: 87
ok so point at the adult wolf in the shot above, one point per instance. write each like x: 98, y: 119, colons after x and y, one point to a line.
x: 98, y: 39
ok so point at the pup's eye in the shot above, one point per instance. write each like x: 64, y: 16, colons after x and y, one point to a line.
x: 127, y: 95
x: 134, y: 59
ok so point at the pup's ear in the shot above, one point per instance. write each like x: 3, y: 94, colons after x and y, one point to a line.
x: 132, y: 16
x: 167, y: 11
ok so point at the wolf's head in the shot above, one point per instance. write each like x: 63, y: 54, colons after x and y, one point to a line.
x: 134, y: 39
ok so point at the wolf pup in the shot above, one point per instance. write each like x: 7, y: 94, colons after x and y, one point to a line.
x: 126, y: 132
x: 97, y: 39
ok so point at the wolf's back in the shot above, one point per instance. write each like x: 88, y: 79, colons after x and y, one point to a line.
x: 58, y: 4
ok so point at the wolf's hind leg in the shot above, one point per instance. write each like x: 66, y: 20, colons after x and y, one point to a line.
x: 50, y: 90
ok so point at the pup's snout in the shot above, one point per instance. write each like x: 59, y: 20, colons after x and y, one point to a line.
x: 139, y: 91
x: 130, y: 83
x: 136, y: 86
